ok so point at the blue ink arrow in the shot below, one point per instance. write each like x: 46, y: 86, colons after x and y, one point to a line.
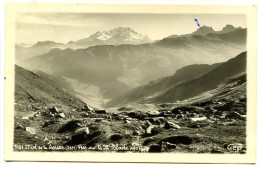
x: 196, y: 20
x: 5, y: 78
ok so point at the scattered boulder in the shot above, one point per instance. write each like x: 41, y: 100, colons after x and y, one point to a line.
x: 54, y: 110
x: 243, y: 116
x: 145, y: 125
x: 153, y: 113
x: 192, y: 115
x: 60, y: 115
x: 100, y: 111
x: 116, y: 137
x: 80, y: 131
x: 36, y: 115
x: 25, y: 118
x: 160, y: 120
x: 45, y: 139
x: 87, y: 108
x: 148, y: 130
x: 96, y: 136
x: 80, y: 135
x: 137, y: 133
x: 161, y: 147
x: 169, y: 125
x: 155, y: 148
x: 156, y: 130
x: 165, y: 113
x: 224, y: 107
x: 84, y: 114
x: 183, y: 109
x: 180, y: 116
x: 166, y: 146
x: 58, y: 119
x: 48, y: 142
x: 138, y: 115
x: 157, y: 121
x: 19, y: 126
x: 115, y: 115
x: 148, y: 141
x: 127, y: 121
x: 234, y: 115
x: 70, y: 126
x: 154, y: 121
x: 198, y: 119
x: 30, y: 130
x: 218, y: 113
x: 98, y: 120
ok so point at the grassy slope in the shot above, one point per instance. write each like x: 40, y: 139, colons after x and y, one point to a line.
x: 34, y: 89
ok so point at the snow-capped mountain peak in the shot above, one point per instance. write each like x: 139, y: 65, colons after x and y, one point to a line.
x: 116, y: 36
x: 100, y: 35
x: 127, y: 34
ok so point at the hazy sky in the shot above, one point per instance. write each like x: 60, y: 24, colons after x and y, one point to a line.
x: 63, y: 27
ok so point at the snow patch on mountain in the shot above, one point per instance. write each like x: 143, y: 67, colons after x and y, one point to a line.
x: 117, y: 36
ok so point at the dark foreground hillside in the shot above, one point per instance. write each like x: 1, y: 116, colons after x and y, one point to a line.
x: 39, y: 90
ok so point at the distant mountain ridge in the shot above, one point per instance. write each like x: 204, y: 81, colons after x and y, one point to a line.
x: 114, y: 69
x: 23, y: 51
x: 117, y: 36
x: 204, y: 30
x: 201, y: 78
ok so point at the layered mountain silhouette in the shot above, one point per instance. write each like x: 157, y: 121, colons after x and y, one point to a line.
x: 23, y: 51
x: 204, y: 30
x: 108, y: 71
x: 117, y: 36
x: 41, y: 89
x: 185, y: 83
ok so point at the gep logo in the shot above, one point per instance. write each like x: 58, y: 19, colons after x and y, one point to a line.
x: 235, y: 147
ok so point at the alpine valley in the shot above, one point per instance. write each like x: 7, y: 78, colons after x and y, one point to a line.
x: 183, y: 93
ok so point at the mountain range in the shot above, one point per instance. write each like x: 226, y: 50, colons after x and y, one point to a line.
x: 103, y: 72
x: 204, y: 30
x: 187, y: 82
x: 117, y: 36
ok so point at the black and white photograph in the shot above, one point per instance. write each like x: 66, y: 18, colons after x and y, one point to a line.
x: 139, y: 83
